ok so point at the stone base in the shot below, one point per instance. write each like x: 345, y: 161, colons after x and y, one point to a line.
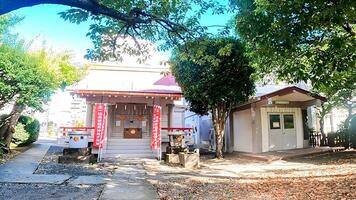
x: 77, y: 151
x: 66, y: 159
x: 189, y: 160
x: 172, y: 159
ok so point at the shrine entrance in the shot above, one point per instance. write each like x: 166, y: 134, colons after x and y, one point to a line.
x: 130, y: 121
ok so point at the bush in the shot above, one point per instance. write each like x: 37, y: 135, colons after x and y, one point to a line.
x: 21, y: 135
x: 32, y: 126
x: 27, y: 131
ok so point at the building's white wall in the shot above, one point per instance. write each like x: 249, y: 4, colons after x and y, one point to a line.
x: 243, y: 131
x: 256, y: 130
x: 178, y: 117
x: 164, y: 116
x: 264, y: 124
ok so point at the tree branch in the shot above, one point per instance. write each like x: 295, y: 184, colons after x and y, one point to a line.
x: 348, y: 28
x: 134, y: 17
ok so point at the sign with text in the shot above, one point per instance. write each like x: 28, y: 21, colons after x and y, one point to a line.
x: 99, y: 125
x: 156, y: 128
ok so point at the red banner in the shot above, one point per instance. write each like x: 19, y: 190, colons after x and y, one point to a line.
x: 99, y: 125
x: 156, y: 128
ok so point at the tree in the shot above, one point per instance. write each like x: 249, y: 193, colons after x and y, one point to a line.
x: 215, y: 76
x: 311, y: 41
x: 28, y: 80
x: 166, y: 22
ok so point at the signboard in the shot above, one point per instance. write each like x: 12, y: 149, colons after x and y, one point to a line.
x: 156, y: 128
x: 99, y: 125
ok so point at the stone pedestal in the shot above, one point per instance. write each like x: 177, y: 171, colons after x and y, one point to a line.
x: 74, y: 159
x: 189, y: 160
x: 76, y: 155
x: 172, y: 159
x: 77, y: 151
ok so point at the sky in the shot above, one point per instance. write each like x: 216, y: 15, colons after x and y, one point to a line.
x: 42, y: 23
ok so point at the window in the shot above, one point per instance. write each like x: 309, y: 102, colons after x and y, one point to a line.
x: 274, y: 121
x: 288, y: 121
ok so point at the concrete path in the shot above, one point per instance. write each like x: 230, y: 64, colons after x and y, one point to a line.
x: 21, y: 168
x: 35, y: 178
x: 129, y: 183
x: 26, y: 162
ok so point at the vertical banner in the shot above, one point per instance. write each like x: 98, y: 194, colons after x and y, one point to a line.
x: 156, y: 128
x: 99, y: 125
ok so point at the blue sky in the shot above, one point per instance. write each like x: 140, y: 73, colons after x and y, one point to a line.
x: 43, y: 21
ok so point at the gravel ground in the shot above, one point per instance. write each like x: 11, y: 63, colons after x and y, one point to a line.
x: 44, y: 191
x: 327, y: 176
x: 50, y: 165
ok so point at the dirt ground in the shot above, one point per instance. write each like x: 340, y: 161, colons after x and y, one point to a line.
x: 326, y: 176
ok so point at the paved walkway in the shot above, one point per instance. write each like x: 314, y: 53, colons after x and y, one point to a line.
x: 129, y: 183
x: 21, y: 168
x: 26, y: 162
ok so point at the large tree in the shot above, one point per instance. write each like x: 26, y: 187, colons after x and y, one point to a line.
x: 302, y: 40
x: 166, y: 22
x: 215, y: 76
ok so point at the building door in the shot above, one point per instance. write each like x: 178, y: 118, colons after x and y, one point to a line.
x: 282, y: 132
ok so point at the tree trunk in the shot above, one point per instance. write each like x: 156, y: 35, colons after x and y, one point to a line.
x: 347, y: 124
x: 7, y: 128
x: 219, y: 117
x: 349, y: 116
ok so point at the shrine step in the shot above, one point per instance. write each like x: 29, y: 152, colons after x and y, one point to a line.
x: 129, y: 155
x: 128, y: 151
x: 128, y: 147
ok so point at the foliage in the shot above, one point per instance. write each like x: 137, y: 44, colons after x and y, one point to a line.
x: 215, y: 76
x: 21, y: 135
x: 32, y: 127
x: 2, y: 146
x: 212, y: 72
x: 164, y: 22
x: 311, y: 41
x: 28, y: 79
x: 33, y: 77
x: 6, y: 22
x: 26, y: 131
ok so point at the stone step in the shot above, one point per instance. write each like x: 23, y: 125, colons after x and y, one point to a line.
x: 128, y: 140
x: 129, y: 147
x: 128, y: 151
x: 128, y: 143
x: 151, y: 155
